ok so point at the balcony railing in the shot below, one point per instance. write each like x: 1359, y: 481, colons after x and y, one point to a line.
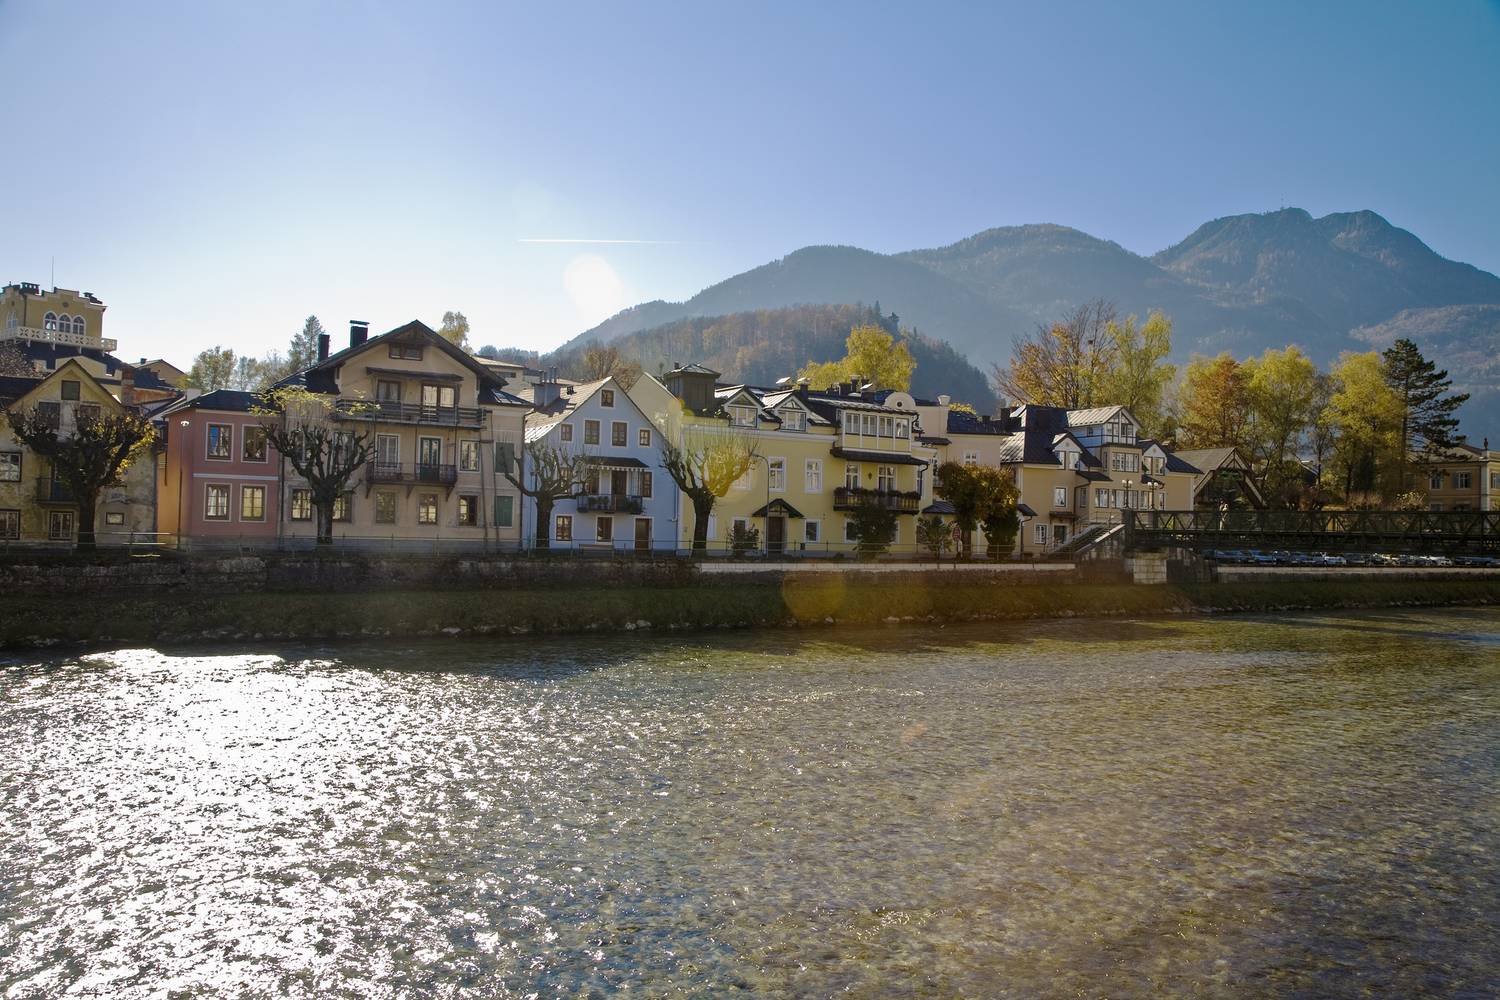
x: 610, y: 503
x: 395, y: 472
x: 900, y: 501
x: 65, y: 337
x: 391, y: 412
x: 49, y: 490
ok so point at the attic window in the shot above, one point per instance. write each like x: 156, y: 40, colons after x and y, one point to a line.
x: 792, y: 419
x: 406, y: 352
x: 70, y: 389
x: 742, y: 416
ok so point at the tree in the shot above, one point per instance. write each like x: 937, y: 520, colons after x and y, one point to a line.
x: 1213, y: 403
x: 256, y: 375
x: 489, y: 351
x: 1140, y: 374
x: 602, y: 361
x: 873, y: 525
x: 1364, y: 414
x: 1064, y: 363
x: 980, y: 495
x: 871, y: 354
x: 555, y: 475
x: 14, y: 363
x: 707, y: 463
x: 1283, y: 390
x: 1428, y: 423
x: 212, y: 369
x: 1001, y: 524
x: 934, y: 536
x: 455, y: 329
x: 89, y: 459
x: 298, y: 424
x: 303, y: 351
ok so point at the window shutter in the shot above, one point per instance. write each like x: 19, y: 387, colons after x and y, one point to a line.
x: 504, y: 511
x: 505, y: 457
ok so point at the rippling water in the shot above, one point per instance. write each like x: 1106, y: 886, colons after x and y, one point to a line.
x: 1248, y: 807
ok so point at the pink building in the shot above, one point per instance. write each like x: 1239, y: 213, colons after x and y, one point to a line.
x: 220, y: 478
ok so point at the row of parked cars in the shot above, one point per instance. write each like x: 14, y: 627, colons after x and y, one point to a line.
x: 1282, y: 557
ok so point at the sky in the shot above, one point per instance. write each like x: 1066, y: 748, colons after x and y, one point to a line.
x: 216, y: 172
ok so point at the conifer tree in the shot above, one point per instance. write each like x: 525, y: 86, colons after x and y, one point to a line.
x: 1428, y: 421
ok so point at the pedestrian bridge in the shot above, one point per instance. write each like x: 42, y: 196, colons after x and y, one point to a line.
x: 1448, y: 532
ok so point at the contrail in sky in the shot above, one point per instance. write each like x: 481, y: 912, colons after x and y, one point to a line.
x: 650, y: 243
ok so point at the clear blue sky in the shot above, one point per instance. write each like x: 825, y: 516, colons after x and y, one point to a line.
x: 217, y: 171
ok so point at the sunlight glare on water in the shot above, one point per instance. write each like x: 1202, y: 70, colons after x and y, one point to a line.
x: 1300, y: 807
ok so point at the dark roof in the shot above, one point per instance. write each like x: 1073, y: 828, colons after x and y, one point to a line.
x: 1176, y: 464
x: 939, y: 507
x: 778, y: 506
x: 891, y: 458
x: 13, y: 387
x: 53, y: 355
x: 692, y: 369
x: 614, y: 462
x: 929, y: 439
x: 1024, y: 510
x: 963, y: 422
x: 227, y: 400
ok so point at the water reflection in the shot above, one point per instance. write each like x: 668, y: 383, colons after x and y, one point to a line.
x: 1222, y: 807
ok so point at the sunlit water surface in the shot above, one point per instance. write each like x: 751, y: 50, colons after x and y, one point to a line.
x: 1234, y: 807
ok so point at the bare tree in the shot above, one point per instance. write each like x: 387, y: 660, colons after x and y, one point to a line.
x: 601, y: 361
x: 705, y: 466
x: 90, y: 458
x: 1063, y: 363
x: 299, y: 425
x: 556, y: 475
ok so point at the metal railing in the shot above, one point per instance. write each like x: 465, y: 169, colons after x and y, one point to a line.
x: 396, y: 472
x: 848, y: 498
x: 1358, y: 529
x: 611, y: 503
x: 49, y: 490
x: 392, y: 412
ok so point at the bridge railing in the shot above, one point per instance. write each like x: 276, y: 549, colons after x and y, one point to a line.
x: 1334, y: 528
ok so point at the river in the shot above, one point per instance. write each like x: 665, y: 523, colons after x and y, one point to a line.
x: 1304, y: 806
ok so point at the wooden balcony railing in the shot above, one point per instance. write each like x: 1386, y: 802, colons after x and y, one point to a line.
x: 391, y: 412
x: 900, y: 501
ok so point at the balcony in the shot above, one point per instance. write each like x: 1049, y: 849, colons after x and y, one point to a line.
x: 66, y: 338
x: 49, y: 490
x: 395, y: 472
x: 900, y: 501
x: 387, y: 411
x: 609, y: 503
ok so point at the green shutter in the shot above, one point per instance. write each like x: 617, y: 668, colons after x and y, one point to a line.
x: 505, y: 457
x: 504, y: 511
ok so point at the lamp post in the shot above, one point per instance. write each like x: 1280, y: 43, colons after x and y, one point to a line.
x: 1125, y: 498
x: 181, y: 478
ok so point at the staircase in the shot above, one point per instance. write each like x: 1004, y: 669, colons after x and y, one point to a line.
x: 1086, y: 543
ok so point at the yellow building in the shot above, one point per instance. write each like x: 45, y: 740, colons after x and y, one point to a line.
x: 1461, y: 478
x: 35, y: 506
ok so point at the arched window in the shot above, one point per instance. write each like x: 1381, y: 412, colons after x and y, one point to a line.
x: 78, y: 325
x: 49, y: 321
x: 64, y: 323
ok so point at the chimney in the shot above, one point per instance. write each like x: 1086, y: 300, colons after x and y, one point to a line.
x: 359, y: 332
x: 322, y: 347
x: 127, y: 385
x: 944, y: 399
x: 547, y: 390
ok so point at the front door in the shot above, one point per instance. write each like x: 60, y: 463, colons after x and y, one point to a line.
x: 618, y: 482
x: 775, y: 534
x: 643, y: 534
x: 429, y: 457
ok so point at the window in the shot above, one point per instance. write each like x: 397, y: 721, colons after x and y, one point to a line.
x: 567, y: 432
x: 50, y: 413
x: 220, y: 439
x: 388, y: 391
x: 505, y: 507
x: 388, y: 450
x: 851, y: 476
x: 742, y: 416
x: 792, y: 419
x: 10, y: 466
x: 468, y: 456
x: 1059, y: 533
x: 607, y: 397
x: 86, y: 413
x: 71, y: 388
x: 645, y: 485
x: 343, y: 507
x: 406, y: 352
x: 887, y: 478
x: 563, y: 529
x: 1039, y: 532
x: 591, y: 432
x: 216, y: 503
x: 1495, y: 480
x: 302, y: 506
x: 1435, y: 481
x: 849, y: 531
x: 1101, y: 498
x: 902, y: 426
x: 644, y: 440
x: 427, y: 508
x: 619, y: 434
x: 78, y: 329
x: 776, y: 468
x: 1462, y: 480
x: 812, y: 476
x: 385, y: 508
x: 64, y: 323
x: 253, y: 444
x: 59, y: 525
x: 252, y: 503
x: 742, y: 483
x: 1059, y: 496
x: 468, y: 510
x: 10, y: 524
x: 604, y: 529
x: 49, y: 321
x: 438, y: 397
x: 505, y: 456
x: 1436, y: 507
x: 343, y: 442
x: 971, y: 458
x: 810, y: 531
x: 1460, y: 506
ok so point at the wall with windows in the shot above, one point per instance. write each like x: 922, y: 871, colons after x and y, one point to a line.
x: 221, y: 477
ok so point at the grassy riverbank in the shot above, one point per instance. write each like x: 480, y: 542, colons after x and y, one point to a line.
x: 30, y: 621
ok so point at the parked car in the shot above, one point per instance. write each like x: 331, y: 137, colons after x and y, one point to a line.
x: 1331, y: 559
x: 1359, y: 559
x: 1259, y: 558
x: 1485, y: 561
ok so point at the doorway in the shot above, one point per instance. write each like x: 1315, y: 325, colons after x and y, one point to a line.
x: 643, y: 534
x: 776, y: 534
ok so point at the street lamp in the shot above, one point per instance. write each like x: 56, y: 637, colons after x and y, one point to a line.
x: 181, y: 478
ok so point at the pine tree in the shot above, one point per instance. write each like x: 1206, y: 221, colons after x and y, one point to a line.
x: 1428, y: 421
x: 303, y: 351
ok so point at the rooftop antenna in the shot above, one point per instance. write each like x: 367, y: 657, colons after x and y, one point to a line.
x: 54, y: 270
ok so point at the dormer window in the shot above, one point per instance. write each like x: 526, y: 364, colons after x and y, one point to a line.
x: 792, y: 419
x: 742, y: 416
x: 406, y: 352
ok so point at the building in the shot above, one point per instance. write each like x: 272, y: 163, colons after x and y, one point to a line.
x: 818, y: 456
x: 35, y: 505
x: 629, y: 500
x: 1460, y: 478
x: 219, y: 479
x: 1224, y: 479
x: 443, y: 430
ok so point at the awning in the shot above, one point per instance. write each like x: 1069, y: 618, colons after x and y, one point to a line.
x: 885, y: 458
x: 612, y: 462
x: 939, y: 507
x: 1024, y: 510
x: 778, y: 507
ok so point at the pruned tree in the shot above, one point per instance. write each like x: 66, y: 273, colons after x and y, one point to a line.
x: 1063, y: 363
x: 555, y: 475
x: 299, y: 425
x: 90, y: 458
x: 707, y: 463
x: 980, y: 495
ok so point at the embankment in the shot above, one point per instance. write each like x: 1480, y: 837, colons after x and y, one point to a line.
x: 588, y: 604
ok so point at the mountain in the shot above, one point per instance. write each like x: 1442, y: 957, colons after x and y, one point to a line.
x: 765, y: 345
